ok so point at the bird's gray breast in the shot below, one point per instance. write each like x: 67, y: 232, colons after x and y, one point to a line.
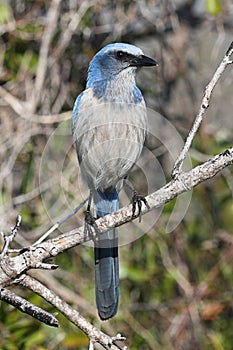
x: 109, y: 138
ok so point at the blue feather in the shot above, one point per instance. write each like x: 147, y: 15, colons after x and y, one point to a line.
x: 109, y: 125
x: 106, y: 257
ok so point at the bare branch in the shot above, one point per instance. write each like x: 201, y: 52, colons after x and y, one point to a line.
x: 28, y: 308
x: 33, y: 256
x: 60, y: 222
x: 95, y: 335
x: 8, y: 239
x: 204, y: 105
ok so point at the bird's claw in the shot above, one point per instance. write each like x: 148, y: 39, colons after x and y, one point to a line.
x: 89, y: 218
x: 137, y: 201
x: 90, y: 227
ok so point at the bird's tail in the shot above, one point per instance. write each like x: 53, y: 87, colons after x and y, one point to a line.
x: 106, y: 257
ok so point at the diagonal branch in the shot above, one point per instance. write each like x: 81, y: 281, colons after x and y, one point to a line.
x: 94, y: 334
x: 26, y: 307
x: 33, y: 256
x: 204, y: 105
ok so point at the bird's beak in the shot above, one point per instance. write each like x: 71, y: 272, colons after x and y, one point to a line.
x: 140, y: 61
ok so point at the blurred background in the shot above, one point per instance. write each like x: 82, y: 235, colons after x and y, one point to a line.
x: 176, y: 268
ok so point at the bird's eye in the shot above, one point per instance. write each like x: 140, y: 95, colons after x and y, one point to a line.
x: 120, y: 54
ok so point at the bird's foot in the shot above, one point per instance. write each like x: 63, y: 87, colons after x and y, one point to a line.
x: 137, y: 201
x: 89, y: 218
x: 90, y: 227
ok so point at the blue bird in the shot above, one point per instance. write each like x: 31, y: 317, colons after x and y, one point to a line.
x: 109, y: 124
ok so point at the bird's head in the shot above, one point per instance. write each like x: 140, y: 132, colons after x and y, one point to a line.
x: 115, y: 58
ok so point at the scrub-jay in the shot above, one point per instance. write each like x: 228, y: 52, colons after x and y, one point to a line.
x: 109, y: 125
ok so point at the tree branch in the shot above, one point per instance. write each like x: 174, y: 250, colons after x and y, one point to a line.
x: 8, y: 239
x: 203, y: 107
x: 28, y: 308
x: 33, y: 256
x: 94, y: 334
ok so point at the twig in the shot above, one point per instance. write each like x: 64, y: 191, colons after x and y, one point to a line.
x: 204, y: 105
x: 28, y: 308
x: 71, y: 314
x: 91, y: 345
x: 60, y: 222
x: 8, y: 239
